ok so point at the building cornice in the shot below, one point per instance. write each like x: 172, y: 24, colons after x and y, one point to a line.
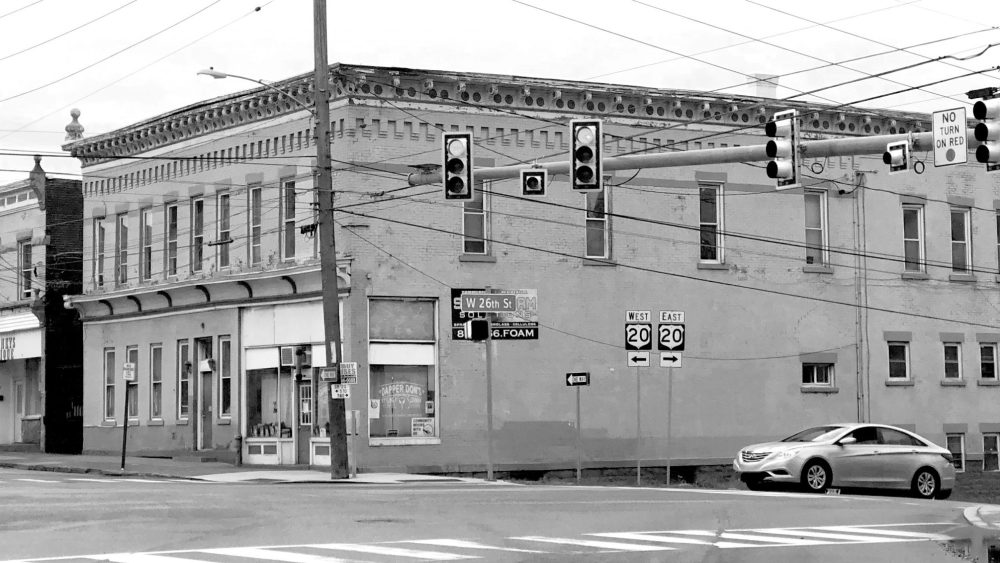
x: 466, y: 91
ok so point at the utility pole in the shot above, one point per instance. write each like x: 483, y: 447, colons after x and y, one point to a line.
x: 328, y: 243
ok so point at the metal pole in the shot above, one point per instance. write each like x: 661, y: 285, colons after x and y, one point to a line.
x: 125, y: 429
x: 638, y: 429
x: 489, y: 404
x: 579, y: 441
x: 670, y: 398
x: 339, y: 468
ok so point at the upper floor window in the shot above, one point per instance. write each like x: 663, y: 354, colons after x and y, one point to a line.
x: 899, y: 360
x: 998, y: 240
x: 146, y: 243
x: 254, y: 226
x: 817, y: 243
x: 223, y: 239
x: 817, y: 374
x: 25, y: 269
x: 961, y: 241
x: 171, y: 239
x: 598, y: 223
x: 288, y: 219
x: 100, y: 235
x: 913, y: 238
x: 988, y: 360
x: 474, y: 222
x: 711, y: 223
x: 121, y: 249
x: 952, y: 360
x: 197, y: 234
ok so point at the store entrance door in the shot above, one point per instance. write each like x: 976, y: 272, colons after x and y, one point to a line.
x: 19, y: 405
x: 205, y: 408
x: 305, y: 422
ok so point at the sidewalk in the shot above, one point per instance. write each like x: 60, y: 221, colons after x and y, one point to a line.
x: 201, y: 471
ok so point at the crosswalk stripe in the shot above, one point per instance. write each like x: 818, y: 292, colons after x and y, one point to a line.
x: 465, y: 544
x: 140, y: 558
x: 395, y: 551
x: 651, y: 536
x: 95, y: 480
x: 596, y: 544
x: 884, y: 532
x: 826, y: 535
x: 38, y: 480
x: 144, y: 481
x: 259, y: 554
x: 769, y: 539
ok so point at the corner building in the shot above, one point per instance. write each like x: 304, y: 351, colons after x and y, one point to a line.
x: 862, y: 296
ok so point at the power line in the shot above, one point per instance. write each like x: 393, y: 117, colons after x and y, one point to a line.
x: 67, y: 32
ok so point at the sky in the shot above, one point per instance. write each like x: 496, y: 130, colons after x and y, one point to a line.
x: 122, y: 61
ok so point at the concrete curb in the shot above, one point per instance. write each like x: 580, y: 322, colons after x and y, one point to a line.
x: 91, y: 471
x: 983, y: 516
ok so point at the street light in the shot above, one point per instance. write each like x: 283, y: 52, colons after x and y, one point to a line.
x: 339, y: 468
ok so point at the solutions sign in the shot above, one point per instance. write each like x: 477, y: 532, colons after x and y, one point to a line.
x: 513, y: 313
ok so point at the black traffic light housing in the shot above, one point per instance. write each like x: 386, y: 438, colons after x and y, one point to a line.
x: 457, y: 165
x: 783, y: 149
x: 586, y: 154
x: 987, y: 132
x: 534, y: 182
x: 897, y: 156
x: 477, y: 329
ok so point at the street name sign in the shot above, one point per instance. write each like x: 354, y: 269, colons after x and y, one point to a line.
x: 578, y: 378
x: 950, y: 133
x: 670, y: 359
x: 637, y: 359
x: 489, y: 302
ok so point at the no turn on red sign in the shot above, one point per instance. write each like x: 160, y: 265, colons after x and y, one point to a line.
x: 950, y: 134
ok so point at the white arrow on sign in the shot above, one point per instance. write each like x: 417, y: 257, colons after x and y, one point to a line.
x: 637, y: 359
x: 582, y: 378
x: 670, y: 359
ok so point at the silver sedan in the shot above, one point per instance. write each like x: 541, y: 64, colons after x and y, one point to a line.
x: 850, y: 455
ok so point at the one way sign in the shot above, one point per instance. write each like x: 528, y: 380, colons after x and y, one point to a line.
x: 581, y: 378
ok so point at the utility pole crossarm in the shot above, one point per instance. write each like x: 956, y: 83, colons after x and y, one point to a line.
x: 873, y: 145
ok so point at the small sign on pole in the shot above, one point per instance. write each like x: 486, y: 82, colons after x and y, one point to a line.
x: 349, y: 372
x: 128, y: 371
x: 580, y: 378
x: 340, y: 391
x: 950, y: 133
x: 329, y: 374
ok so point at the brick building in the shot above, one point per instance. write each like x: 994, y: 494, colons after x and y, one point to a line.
x: 41, y: 373
x: 863, y: 296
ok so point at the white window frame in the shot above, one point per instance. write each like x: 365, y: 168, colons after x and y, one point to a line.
x: 197, y: 233
x: 994, y: 452
x: 146, y: 244
x: 287, y: 220
x: 100, y: 238
x: 921, y: 264
x: 906, y: 359
x: 25, y: 270
x: 156, y: 381
x: 960, y: 459
x: 824, y: 249
x: 984, y: 361
x: 171, y: 224
x: 225, y: 365
x: 255, y: 224
x: 121, y: 250
x: 957, y: 346
x: 598, y: 220
x: 184, y: 371
x: 965, y: 244
x: 719, y: 224
x: 109, y: 384
x: 132, y: 399
x: 814, y: 372
x: 306, y: 404
x: 223, y: 211
x: 477, y: 210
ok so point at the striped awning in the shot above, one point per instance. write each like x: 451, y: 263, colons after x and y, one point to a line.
x: 18, y: 321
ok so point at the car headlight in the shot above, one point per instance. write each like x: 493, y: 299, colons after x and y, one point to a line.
x: 787, y: 454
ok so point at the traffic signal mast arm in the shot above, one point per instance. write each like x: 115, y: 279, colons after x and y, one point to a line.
x: 873, y: 145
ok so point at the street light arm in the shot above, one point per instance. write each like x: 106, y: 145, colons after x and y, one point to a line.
x: 210, y: 71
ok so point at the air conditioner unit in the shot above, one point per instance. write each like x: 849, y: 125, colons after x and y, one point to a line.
x: 206, y: 365
x: 287, y: 356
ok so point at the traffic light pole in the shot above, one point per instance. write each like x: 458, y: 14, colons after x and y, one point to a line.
x: 873, y: 145
x: 339, y: 468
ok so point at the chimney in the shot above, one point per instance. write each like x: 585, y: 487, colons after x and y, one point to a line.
x: 765, y: 85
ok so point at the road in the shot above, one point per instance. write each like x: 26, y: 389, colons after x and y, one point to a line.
x: 81, y: 518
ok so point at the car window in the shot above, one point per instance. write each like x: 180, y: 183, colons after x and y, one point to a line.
x: 813, y: 434
x: 865, y: 435
x: 896, y: 438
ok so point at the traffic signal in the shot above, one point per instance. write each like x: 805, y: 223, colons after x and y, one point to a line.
x: 533, y: 182
x: 897, y: 156
x: 477, y: 329
x: 585, y: 159
x: 457, y: 166
x: 783, y: 149
x: 987, y: 132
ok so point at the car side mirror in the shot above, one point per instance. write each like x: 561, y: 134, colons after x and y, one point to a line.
x: 847, y: 440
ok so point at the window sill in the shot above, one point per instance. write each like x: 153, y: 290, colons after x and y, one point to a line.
x: 31, y: 417
x: 967, y: 278
x: 997, y: 278
x: 952, y: 383
x: 477, y: 258
x: 598, y: 262
x: 915, y: 276
x: 712, y: 266
x: 224, y: 421
x: 133, y: 422
x: 899, y: 383
x: 157, y: 422
x: 827, y: 390
x: 988, y: 383
x: 182, y: 422
x: 109, y: 423
x: 816, y: 269
x: 404, y: 441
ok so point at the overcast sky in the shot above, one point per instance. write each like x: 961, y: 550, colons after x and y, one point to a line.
x: 133, y: 59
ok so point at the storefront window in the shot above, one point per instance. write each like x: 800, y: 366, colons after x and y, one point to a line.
x: 402, y: 368
x: 269, y: 403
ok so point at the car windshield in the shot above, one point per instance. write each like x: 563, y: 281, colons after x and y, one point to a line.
x: 816, y: 434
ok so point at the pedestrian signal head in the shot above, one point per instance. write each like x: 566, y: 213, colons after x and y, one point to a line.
x: 897, y: 156
x: 533, y: 182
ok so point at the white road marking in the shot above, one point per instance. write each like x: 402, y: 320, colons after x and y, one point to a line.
x: 140, y: 558
x: 95, y: 480
x: 130, y: 480
x: 616, y: 546
x: 38, y: 480
x: 882, y: 532
x: 258, y: 554
x: 827, y: 535
x: 650, y: 536
x: 394, y: 551
x: 465, y: 544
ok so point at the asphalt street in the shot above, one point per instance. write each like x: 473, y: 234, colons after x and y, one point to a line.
x: 46, y: 516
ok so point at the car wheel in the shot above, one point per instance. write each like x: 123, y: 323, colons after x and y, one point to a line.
x: 925, y: 483
x: 816, y: 477
x: 754, y: 484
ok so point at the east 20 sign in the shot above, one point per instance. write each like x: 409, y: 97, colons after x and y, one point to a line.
x: 671, y: 331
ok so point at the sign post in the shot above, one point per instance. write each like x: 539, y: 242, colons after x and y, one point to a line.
x: 638, y: 430
x: 128, y: 374
x: 672, y: 337
x: 578, y: 380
